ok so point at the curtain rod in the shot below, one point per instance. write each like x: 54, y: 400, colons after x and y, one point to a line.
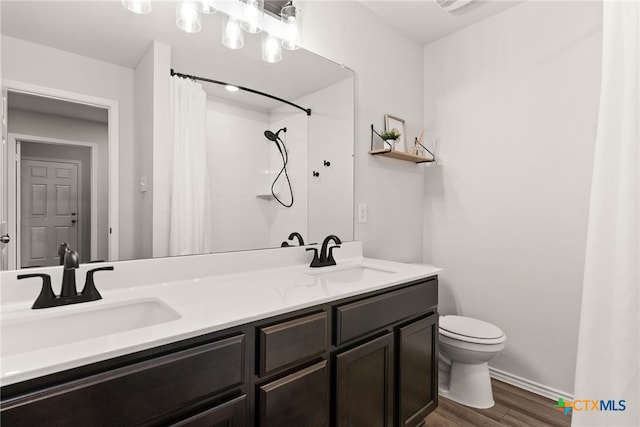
x: 246, y: 89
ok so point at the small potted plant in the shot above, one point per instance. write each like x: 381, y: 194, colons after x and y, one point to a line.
x: 391, y: 136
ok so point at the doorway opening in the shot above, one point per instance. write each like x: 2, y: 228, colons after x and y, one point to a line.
x: 62, y: 172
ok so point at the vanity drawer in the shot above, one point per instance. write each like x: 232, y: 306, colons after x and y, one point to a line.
x: 297, y: 400
x: 293, y: 341
x: 137, y: 393
x: 362, y: 317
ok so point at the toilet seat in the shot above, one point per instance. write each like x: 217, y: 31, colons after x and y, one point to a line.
x: 470, y: 330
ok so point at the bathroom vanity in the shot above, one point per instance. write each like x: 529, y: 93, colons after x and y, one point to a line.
x: 349, y: 345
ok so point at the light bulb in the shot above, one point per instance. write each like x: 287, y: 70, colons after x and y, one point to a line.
x: 291, y: 18
x: 232, y: 36
x: 253, y: 15
x: 187, y: 16
x: 271, y: 49
x: 141, y: 7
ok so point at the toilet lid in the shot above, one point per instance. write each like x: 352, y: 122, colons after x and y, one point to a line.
x: 469, y: 327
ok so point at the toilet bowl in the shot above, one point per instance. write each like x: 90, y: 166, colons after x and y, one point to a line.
x: 466, y: 347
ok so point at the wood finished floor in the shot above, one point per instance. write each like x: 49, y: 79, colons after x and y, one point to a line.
x: 514, y: 407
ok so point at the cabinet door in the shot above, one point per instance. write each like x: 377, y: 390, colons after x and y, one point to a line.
x: 229, y: 414
x: 364, y: 384
x: 417, y: 370
x: 299, y: 399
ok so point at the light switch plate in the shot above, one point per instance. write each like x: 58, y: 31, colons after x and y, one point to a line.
x: 362, y: 213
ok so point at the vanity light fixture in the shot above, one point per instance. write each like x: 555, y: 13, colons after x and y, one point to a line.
x: 141, y: 7
x: 206, y: 6
x: 252, y: 16
x: 291, y: 18
x: 187, y: 16
x: 281, y: 25
x: 232, y: 36
x: 232, y: 88
x: 271, y: 49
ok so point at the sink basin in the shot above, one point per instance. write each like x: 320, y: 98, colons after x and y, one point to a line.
x: 352, y: 274
x: 51, y: 329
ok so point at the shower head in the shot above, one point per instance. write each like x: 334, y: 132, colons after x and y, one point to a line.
x: 270, y: 135
x: 273, y: 136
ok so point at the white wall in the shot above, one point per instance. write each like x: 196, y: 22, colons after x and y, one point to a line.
x: 143, y: 75
x: 43, y: 66
x: 393, y: 190
x: 331, y: 139
x: 237, y: 151
x: 153, y: 150
x: 162, y: 146
x: 513, y: 101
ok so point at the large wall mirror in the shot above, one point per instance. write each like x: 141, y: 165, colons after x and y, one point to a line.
x: 89, y: 155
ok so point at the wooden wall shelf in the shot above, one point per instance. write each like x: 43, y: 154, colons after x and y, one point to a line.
x: 400, y: 155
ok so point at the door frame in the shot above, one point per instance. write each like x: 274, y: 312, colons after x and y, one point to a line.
x: 15, y: 140
x: 113, y: 149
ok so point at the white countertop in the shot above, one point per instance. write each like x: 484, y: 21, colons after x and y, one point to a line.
x: 204, y: 304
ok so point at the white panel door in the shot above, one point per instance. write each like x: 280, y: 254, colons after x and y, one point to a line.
x: 49, y: 211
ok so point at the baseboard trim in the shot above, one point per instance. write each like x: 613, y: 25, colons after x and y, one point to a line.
x: 525, y: 384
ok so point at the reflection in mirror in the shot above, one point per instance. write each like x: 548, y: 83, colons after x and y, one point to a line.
x: 112, y: 178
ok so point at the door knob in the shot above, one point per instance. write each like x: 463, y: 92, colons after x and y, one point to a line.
x: 73, y: 221
x: 5, y: 239
x: 73, y: 214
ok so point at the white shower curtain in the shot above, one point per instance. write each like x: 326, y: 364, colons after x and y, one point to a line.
x: 189, y: 189
x: 608, y: 364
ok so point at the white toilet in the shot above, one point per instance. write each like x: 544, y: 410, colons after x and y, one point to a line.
x: 466, y: 345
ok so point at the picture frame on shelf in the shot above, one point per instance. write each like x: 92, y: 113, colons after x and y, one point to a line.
x: 393, y: 122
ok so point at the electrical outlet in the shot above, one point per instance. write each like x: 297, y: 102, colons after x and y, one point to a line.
x: 362, y: 213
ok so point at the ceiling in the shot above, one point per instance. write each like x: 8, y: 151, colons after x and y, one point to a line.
x: 424, y: 21
x: 106, y: 31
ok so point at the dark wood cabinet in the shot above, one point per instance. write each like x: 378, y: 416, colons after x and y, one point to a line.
x: 298, y: 399
x: 359, y: 318
x: 228, y: 414
x: 364, y: 384
x: 155, y: 389
x: 417, y: 377
x: 291, y: 342
x: 365, y: 361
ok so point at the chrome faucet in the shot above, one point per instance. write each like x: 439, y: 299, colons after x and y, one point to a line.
x: 326, y: 253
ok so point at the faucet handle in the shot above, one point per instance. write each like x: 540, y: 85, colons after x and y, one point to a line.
x: 46, y: 293
x: 315, y: 262
x: 330, y: 259
x: 89, y: 289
